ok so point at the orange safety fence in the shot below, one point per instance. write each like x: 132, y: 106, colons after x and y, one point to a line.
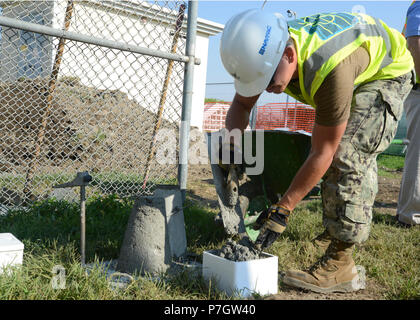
x: 290, y: 116
x: 214, y: 115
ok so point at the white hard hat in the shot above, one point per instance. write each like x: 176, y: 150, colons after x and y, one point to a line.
x: 251, y: 47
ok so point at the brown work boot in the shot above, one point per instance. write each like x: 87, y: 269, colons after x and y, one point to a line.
x: 322, y: 241
x: 334, y: 272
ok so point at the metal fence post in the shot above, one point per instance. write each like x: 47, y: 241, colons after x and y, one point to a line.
x: 187, y: 97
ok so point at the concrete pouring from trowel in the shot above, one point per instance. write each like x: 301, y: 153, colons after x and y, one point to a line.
x: 239, y: 197
x: 238, y: 267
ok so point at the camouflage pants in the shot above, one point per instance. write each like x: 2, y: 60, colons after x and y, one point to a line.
x: 350, y: 185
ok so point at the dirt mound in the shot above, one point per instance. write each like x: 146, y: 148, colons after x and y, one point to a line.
x: 99, y: 128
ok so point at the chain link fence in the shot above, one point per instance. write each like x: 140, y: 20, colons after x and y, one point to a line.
x: 68, y: 106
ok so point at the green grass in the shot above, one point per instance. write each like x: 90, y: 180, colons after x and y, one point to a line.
x: 391, y: 255
x: 50, y: 233
x: 390, y: 166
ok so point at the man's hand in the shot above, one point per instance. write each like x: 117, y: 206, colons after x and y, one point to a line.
x: 271, y: 223
x: 227, y: 154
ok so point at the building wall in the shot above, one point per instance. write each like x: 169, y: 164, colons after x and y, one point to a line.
x: 22, y: 53
x: 199, y: 87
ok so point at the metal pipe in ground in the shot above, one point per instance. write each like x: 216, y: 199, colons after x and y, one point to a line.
x: 187, y: 97
x: 81, y: 180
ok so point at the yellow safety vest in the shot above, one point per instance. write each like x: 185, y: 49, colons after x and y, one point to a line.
x: 324, y: 40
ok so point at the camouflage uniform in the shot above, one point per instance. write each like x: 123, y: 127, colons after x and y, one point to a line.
x: 350, y: 185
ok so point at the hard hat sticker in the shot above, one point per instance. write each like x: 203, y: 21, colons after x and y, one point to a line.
x: 266, y: 39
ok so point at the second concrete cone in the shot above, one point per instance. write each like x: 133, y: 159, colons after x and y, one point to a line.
x: 155, y: 233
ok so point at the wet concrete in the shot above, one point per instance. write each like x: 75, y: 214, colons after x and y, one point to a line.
x: 242, y: 251
x: 232, y: 215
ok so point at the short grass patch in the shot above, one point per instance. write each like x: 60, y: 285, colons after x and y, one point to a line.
x: 391, y: 255
x: 50, y: 232
x: 390, y: 166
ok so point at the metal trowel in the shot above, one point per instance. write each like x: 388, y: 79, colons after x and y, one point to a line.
x: 231, y: 189
x: 227, y: 189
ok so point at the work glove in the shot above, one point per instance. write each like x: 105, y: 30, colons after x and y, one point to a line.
x: 271, y: 223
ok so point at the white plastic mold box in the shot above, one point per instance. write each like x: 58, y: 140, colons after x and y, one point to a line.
x: 241, y: 277
x: 11, y: 251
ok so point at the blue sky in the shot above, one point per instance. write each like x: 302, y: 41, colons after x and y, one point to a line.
x: 391, y: 12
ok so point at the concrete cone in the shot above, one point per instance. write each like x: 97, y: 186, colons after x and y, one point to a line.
x: 155, y: 233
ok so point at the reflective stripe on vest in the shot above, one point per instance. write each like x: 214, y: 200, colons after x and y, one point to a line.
x: 324, y: 40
